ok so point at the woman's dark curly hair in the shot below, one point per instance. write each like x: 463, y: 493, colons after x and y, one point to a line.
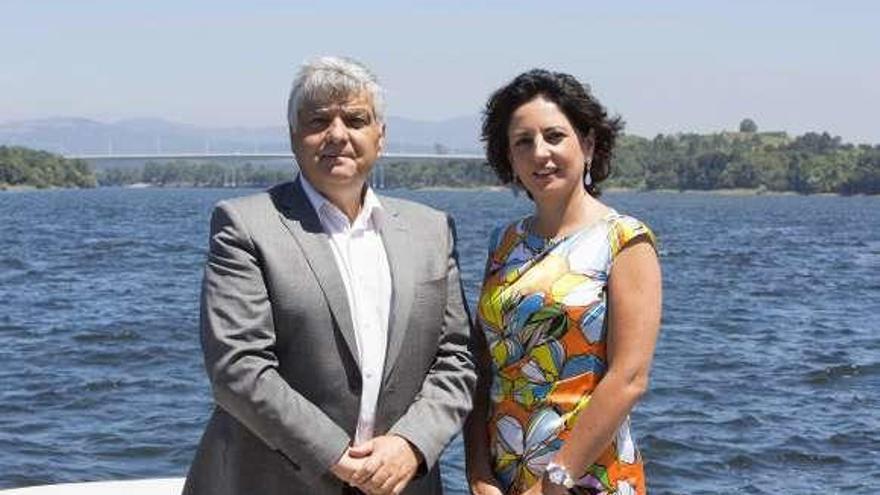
x: 574, y: 99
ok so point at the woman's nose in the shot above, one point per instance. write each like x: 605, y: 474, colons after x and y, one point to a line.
x: 542, y: 149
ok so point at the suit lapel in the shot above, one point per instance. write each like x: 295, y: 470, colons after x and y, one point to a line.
x: 302, y: 221
x: 398, y: 249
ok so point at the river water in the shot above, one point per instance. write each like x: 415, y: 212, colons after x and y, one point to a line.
x: 766, y: 378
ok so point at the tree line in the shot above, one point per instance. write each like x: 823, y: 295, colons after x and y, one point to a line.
x: 21, y: 166
x: 748, y: 159
x: 182, y: 173
x: 772, y: 161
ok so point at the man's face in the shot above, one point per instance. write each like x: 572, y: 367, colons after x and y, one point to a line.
x: 336, y: 143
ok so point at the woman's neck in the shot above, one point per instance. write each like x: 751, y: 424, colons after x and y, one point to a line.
x: 554, y: 219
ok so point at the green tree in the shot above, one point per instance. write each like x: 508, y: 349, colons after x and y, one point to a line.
x: 21, y: 166
x: 865, y: 177
x: 739, y: 173
x: 813, y: 142
x: 748, y: 126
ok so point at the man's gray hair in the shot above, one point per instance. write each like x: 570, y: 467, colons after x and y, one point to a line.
x: 333, y: 78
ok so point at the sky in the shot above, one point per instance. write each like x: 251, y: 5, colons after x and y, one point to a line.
x: 665, y: 67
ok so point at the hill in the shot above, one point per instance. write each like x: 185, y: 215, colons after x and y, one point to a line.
x: 23, y: 167
x: 77, y: 136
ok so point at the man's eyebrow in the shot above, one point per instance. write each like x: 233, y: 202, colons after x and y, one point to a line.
x: 316, y: 110
x: 345, y: 110
x: 357, y: 109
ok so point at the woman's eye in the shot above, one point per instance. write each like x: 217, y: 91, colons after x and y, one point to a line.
x: 555, y: 137
x: 523, y: 141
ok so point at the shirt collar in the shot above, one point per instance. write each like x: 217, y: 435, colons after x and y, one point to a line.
x: 371, y: 208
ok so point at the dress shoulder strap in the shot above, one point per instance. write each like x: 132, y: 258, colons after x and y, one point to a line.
x: 624, y: 230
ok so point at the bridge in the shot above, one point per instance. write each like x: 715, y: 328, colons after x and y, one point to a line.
x: 263, y: 156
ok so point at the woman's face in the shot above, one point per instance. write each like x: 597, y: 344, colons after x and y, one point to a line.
x: 546, y: 152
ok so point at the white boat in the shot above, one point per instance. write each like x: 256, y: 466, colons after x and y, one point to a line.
x: 160, y: 486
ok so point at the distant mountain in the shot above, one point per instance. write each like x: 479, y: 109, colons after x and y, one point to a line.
x: 83, y: 136
x: 72, y: 136
x: 458, y: 135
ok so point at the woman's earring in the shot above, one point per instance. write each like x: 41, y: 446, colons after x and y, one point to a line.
x: 588, y: 179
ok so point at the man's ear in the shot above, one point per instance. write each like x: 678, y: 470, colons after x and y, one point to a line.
x: 382, y: 138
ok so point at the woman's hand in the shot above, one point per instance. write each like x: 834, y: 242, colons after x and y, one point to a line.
x: 544, y: 488
x: 486, y: 486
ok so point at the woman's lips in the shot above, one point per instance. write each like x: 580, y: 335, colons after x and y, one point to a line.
x: 547, y: 172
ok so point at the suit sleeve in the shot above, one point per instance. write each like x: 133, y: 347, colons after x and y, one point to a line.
x: 238, y: 339
x: 446, y: 396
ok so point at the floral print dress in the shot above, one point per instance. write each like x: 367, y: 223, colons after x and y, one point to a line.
x: 542, y: 308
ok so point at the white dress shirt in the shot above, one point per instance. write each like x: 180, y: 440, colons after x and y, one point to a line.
x: 363, y: 264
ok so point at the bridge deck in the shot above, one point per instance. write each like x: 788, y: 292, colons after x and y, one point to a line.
x: 262, y: 156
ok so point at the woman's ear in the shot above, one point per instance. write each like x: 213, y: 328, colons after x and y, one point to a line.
x: 588, y: 144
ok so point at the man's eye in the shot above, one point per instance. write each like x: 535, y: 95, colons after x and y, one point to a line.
x: 358, y: 121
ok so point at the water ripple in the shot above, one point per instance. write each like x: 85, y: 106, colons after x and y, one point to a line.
x: 765, y: 379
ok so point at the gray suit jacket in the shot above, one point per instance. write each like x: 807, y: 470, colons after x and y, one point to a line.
x: 280, y: 348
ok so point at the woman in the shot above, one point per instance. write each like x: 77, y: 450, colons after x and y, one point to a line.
x: 570, y: 305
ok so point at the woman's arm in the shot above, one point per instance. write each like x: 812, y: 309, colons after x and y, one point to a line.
x: 476, y: 436
x: 634, y: 306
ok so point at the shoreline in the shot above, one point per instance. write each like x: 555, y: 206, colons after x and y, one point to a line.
x: 458, y: 188
x: 728, y: 192
x: 745, y: 192
x: 27, y: 188
x: 8, y: 188
x: 741, y: 192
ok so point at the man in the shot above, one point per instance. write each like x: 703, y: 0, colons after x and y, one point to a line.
x: 333, y: 322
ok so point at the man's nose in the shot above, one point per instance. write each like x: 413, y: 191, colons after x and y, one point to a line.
x: 336, y: 131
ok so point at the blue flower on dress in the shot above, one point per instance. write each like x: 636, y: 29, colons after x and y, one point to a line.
x: 522, y: 456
